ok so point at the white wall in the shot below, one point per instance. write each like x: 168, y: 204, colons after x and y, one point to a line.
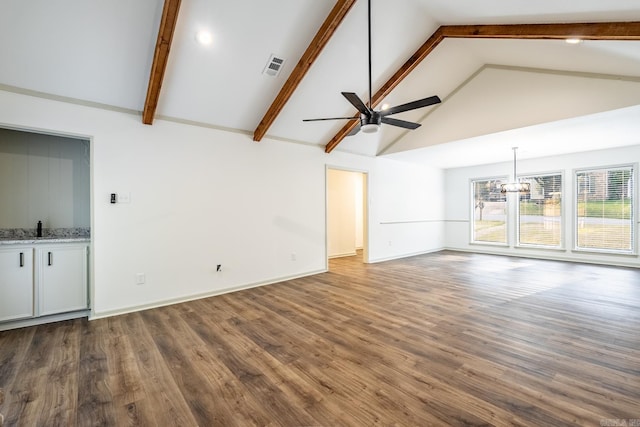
x: 342, y: 223
x: 410, y: 212
x: 458, y: 209
x: 202, y: 197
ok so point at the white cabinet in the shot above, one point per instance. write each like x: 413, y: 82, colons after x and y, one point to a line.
x: 42, y: 280
x: 16, y: 284
x: 62, y: 278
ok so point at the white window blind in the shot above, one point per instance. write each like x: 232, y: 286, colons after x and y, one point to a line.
x: 489, y: 212
x: 604, y: 210
x: 540, y: 211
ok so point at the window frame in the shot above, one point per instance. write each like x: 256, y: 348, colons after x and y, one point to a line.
x: 472, y: 208
x: 634, y: 209
x: 563, y: 186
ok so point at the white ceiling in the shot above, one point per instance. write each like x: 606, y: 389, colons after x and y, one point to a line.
x: 544, y: 96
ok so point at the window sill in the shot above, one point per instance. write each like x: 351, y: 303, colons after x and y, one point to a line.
x: 541, y: 248
x: 501, y: 245
x: 605, y: 253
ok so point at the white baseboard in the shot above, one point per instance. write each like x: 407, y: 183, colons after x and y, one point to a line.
x: 549, y: 257
x: 343, y: 255
x: 163, y: 303
x: 400, y: 256
x: 33, y: 321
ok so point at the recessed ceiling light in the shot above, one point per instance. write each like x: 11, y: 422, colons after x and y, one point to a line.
x: 573, y: 40
x: 204, y: 38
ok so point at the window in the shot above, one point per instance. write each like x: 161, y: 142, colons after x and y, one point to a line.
x: 604, y: 210
x: 540, y: 211
x: 489, y: 212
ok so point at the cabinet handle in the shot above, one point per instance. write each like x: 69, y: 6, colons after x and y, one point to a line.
x: 21, y: 259
x: 50, y: 258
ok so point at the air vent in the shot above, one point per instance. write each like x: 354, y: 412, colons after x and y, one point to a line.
x: 274, y: 65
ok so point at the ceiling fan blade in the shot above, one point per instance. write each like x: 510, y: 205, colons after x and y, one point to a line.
x: 411, y: 105
x: 355, y: 130
x: 356, y: 102
x: 400, y: 123
x: 331, y: 118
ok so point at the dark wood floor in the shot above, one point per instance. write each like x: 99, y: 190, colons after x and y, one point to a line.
x: 440, y: 339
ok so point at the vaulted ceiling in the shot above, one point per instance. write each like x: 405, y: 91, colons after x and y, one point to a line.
x: 501, y: 85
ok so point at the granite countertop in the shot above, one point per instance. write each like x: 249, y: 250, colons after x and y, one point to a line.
x: 25, y: 236
x: 43, y: 240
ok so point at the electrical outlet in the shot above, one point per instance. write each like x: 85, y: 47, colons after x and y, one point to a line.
x: 140, y: 279
x: 293, y: 257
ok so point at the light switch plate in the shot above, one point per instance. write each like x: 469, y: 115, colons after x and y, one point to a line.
x: 124, y: 197
x: 140, y: 278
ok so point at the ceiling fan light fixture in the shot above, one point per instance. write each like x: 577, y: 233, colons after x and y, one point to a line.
x: 370, y: 128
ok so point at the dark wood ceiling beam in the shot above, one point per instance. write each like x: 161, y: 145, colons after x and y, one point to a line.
x: 160, y: 58
x: 318, y: 43
x: 586, y: 31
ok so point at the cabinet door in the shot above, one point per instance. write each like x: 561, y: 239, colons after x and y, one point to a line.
x: 63, y: 279
x: 16, y: 283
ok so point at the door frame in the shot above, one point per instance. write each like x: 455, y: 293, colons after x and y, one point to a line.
x: 365, y: 211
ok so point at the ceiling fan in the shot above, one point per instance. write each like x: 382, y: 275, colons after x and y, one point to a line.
x: 370, y: 119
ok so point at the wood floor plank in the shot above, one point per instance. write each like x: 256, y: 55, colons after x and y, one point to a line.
x: 95, y: 404
x: 162, y: 395
x: 44, y: 385
x: 242, y: 357
x: 61, y: 387
x: 125, y: 379
x: 199, y: 374
x: 14, y: 346
x: 434, y: 340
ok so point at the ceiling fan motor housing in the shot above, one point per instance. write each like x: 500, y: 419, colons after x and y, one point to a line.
x: 374, y: 118
x: 370, y: 123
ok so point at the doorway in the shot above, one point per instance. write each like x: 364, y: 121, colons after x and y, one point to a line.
x: 347, y: 216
